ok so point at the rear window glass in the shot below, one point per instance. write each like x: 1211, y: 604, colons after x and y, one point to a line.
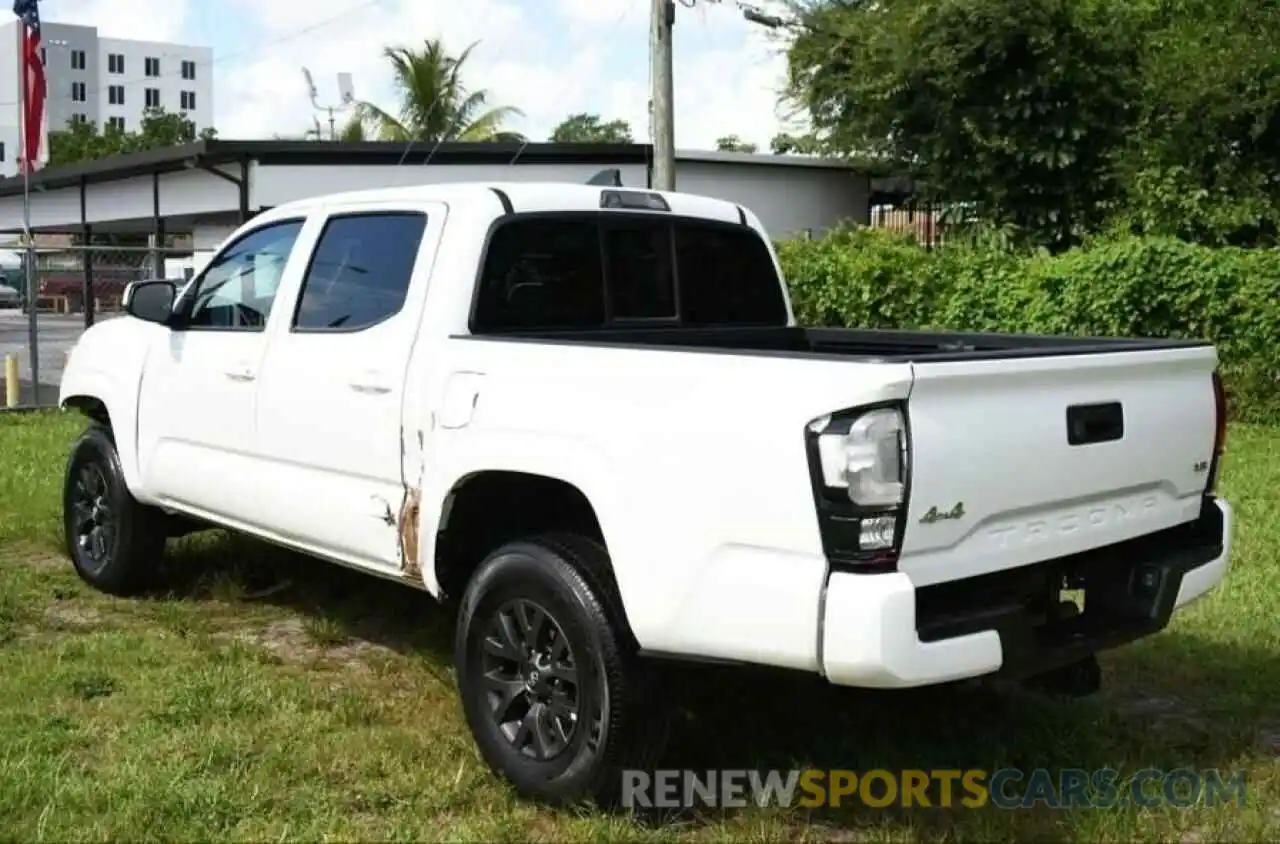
x: 727, y: 276
x: 640, y: 271
x: 605, y: 270
x: 542, y: 273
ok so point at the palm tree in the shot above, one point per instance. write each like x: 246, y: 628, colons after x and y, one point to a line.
x: 353, y: 131
x: 434, y: 104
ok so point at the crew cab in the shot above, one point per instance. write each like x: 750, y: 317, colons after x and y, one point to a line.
x: 585, y: 418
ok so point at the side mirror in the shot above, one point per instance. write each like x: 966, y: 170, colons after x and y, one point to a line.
x: 151, y: 301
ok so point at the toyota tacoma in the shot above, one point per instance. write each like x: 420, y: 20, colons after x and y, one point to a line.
x: 584, y: 416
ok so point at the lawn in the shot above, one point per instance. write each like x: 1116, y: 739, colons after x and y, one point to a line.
x: 268, y: 697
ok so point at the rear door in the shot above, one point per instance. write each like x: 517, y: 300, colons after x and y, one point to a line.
x: 1020, y: 460
x: 331, y: 400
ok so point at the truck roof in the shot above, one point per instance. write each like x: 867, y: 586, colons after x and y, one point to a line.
x: 525, y: 197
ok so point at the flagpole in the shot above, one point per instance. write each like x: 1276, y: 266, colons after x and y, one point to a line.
x: 33, y: 321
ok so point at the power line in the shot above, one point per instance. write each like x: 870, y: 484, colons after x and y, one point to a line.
x: 255, y: 50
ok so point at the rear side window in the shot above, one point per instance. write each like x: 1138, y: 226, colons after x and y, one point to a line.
x: 360, y: 271
x: 595, y: 271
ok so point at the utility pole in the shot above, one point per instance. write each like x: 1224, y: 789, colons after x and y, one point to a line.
x: 663, y: 18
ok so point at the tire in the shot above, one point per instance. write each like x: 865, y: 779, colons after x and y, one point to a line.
x: 597, y: 702
x: 114, y: 542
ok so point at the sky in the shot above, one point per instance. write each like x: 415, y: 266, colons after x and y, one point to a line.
x: 550, y: 58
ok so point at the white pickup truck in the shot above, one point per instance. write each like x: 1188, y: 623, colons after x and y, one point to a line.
x: 587, y: 414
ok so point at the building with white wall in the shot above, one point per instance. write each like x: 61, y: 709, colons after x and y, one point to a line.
x: 205, y: 189
x: 103, y: 80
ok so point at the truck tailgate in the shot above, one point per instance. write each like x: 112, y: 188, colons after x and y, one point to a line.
x: 1020, y: 460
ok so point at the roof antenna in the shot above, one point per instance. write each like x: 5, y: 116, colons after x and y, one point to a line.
x: 611, y: 177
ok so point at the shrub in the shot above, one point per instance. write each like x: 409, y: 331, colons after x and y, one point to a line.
x: 865, y: 277
x: 1119, y: 286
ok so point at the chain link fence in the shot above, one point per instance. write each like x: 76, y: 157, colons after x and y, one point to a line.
x: 75, y: 287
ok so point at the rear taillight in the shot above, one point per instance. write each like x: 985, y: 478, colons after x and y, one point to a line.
x: 1219, y: 431
x: 859, y: 463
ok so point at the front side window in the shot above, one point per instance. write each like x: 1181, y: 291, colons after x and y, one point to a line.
x: 237, y: 289
x: 360, y: 271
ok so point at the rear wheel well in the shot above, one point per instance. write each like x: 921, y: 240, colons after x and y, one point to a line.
x: 90, y: 406
x: 490, y: 509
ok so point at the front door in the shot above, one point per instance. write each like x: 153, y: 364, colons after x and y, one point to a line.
x: 196, y: 418
x: 332, y: 391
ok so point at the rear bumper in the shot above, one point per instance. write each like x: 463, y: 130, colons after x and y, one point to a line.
x: 880, y: 631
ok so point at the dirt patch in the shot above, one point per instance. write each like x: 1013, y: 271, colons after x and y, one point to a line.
x: 65, y: 617
x: 34, y: 556
x: 1148, y: 705
x: 49, y: 561
x: 290, y: 641
x: 356, y: 653
x: 1268, y: 742
x: 1160, y: 712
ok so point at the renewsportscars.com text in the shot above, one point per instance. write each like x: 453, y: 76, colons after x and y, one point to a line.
x: 1006, y: 788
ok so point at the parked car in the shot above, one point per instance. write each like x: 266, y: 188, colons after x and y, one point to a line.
x: 10, y: 297
x: 586, y: 416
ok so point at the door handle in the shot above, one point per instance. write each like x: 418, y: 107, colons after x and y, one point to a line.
x: 370, y: 382
x: 244, y: 374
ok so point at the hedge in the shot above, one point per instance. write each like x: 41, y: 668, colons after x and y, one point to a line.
x: 1132, y: 286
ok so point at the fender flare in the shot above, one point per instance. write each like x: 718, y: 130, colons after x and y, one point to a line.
x: 572, y: 462
x: 100, y: 386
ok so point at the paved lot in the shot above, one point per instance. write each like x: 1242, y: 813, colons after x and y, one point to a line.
x: 57, y: 334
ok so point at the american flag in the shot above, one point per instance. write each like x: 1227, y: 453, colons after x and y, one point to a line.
x: 34, y: 153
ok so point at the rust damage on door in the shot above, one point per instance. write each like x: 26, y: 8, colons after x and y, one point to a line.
x: 410, y: 508
x: 410, y: 516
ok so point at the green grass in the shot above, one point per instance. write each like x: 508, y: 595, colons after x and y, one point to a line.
x: 268, y: 697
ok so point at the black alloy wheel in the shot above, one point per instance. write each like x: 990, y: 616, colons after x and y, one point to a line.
x: 556, y: 696
x: 115, y: 543
x: 94, y: 527
x: 532, y: 678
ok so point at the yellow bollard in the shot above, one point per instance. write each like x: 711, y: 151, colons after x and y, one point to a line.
x: 11, y: 381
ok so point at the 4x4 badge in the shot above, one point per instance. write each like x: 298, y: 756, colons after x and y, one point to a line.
x: 956, y: 512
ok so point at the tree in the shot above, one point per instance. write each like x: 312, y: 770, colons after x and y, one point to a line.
x: 785, y: 143
x: 589, y: 129
x: 1203, y: 162
x: 82, y: 140
x: 353, y: 131
x: 1015, y: 105
x: 160, y: 128
x: 434, y: 104
x: 732, y: 143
